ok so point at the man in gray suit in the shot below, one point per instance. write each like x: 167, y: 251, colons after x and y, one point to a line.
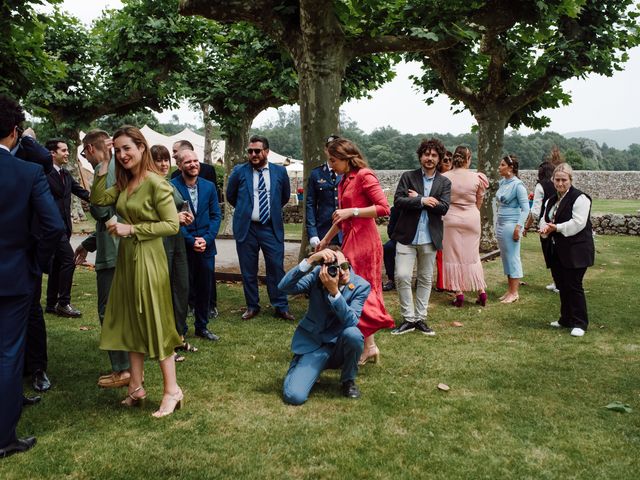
x: 422, y: 198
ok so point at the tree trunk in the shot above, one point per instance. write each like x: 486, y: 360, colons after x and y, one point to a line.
x: 490, y: 143
x: 74, y: 167
x: 321, y: 62
x: 208, y: 133
x: 234, y: 154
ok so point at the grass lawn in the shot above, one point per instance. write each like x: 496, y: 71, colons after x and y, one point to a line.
x: 526, y: 400
x: 622, y: 207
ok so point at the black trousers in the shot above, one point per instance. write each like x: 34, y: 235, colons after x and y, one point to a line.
x: 573, y: 303
x: 200, y: 269
x: 36, y: 357
x: 13, y: 326
x: 389, y: 250
x: 61, y: 274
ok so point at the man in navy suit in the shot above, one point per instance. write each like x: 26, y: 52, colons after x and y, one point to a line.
x: 199, y: 236
x: 25, y: 195
x: 258, y: 190
x: 327, y: 336
x: 322, y: 201
x: 62, y: 185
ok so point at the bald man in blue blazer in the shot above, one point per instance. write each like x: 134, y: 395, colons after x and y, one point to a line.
x: 327, y: 336
x: 25, y: 196
x: 258, y: 190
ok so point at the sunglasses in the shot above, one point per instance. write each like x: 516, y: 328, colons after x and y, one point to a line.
x: 446, y: 160
x: 254, y: 151
x: 344, y: 266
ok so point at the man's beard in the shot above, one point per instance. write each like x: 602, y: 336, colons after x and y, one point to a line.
x: 262, y: 164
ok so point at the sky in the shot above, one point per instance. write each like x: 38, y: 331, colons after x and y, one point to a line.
x: 598, y: 102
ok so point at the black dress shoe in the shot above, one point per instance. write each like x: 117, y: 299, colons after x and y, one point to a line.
x: 285, y: 315
x: 390, y: 285
x: 67, y: 311
x: 213, y: 312
x: 19, y: 446
x: 41, y: 382
x: 207, y: 335
x: 49, y: 309
x: 250, y: 313
x: 350, y: 389
x: 26, y: 401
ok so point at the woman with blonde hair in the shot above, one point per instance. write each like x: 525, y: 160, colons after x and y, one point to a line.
x: 461, y: 241
x: 139, y: 316
x: 361, y: 201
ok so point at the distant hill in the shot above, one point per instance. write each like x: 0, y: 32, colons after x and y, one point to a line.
x: 620, y: 139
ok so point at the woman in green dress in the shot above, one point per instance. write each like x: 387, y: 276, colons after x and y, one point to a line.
x: 139, y: 316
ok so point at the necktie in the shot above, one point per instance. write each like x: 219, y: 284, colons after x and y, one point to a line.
x: 333, y: 177
x: 263, y: 199
x: 61, y: 176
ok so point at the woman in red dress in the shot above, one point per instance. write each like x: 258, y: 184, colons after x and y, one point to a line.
x: 361, y: 201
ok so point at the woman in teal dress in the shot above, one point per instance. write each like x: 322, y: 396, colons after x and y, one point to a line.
x: 139, y: 316
x: 513, y: 208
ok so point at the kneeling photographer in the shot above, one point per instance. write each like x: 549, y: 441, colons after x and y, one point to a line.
x: 327, y: 336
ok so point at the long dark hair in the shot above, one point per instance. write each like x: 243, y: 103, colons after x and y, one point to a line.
x: 512, y: 161
x: 344, y: 149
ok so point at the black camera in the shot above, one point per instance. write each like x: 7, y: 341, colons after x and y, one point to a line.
x: 332, y: 269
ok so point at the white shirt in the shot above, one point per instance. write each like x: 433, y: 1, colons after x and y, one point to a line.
x: 579, y: 217
x: 255, y: 214
x: 4, y: 147
x: 538, y: 196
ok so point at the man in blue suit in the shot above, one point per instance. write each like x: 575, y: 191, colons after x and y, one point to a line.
x: 25, y: 195
x: 258, y: 190
x: 199, y: 236
x: 327, y: 336
x: 322, y: 201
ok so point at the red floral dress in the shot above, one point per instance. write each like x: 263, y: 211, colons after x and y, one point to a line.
x: 362, y: 245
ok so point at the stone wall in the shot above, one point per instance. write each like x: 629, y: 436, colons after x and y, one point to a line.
x: 609, y: 224
x: 597, y: 184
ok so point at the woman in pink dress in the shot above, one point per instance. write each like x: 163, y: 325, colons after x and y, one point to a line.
x: 462, y: 229
x: 361, y: 201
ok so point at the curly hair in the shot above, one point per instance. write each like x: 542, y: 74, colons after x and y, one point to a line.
x: 461, y: 155
x: 432, y: 144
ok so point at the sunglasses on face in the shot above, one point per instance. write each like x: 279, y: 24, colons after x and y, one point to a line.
x: 344, y: 266
x: 446, y: 160
x: 254, y: 151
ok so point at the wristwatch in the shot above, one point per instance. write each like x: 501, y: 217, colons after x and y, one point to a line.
x: 356, y: 212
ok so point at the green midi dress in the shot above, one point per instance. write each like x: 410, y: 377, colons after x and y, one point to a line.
x: 139, y: 315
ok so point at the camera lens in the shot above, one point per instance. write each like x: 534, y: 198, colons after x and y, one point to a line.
x: 332, y: 270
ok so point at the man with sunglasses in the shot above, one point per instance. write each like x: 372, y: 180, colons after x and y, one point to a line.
x: 322, y: 201
x: 327, y: 336
x: 62, y: 185
x: 258, y: 190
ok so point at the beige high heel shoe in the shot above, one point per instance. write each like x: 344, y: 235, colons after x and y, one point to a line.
x: 370, y: 355
x: 177, y: 399
x: 133, y: 401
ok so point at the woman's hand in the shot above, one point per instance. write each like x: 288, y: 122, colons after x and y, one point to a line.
x: 341, y: 214
x: 516, y: 233
x: 548, y: 228
x: 322, y: 245
x: 120, y: 229
x: 185, y: 218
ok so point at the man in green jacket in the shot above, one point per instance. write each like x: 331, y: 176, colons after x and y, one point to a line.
x: 97, y: 149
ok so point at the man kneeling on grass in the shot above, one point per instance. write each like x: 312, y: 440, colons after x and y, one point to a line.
x: 327, y: 336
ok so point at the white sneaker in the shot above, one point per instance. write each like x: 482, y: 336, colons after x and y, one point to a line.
x: 577, y: 332
x: 555, y: 324
x: 552, y: 287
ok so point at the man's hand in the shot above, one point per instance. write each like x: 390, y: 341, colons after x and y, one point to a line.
x: 329, y: 282
x: 200, y: 245
x: 80, y: 255
x: 185, y: 218
x: 323, y: 256
x: 29, y: 133
x: 429, y: 201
